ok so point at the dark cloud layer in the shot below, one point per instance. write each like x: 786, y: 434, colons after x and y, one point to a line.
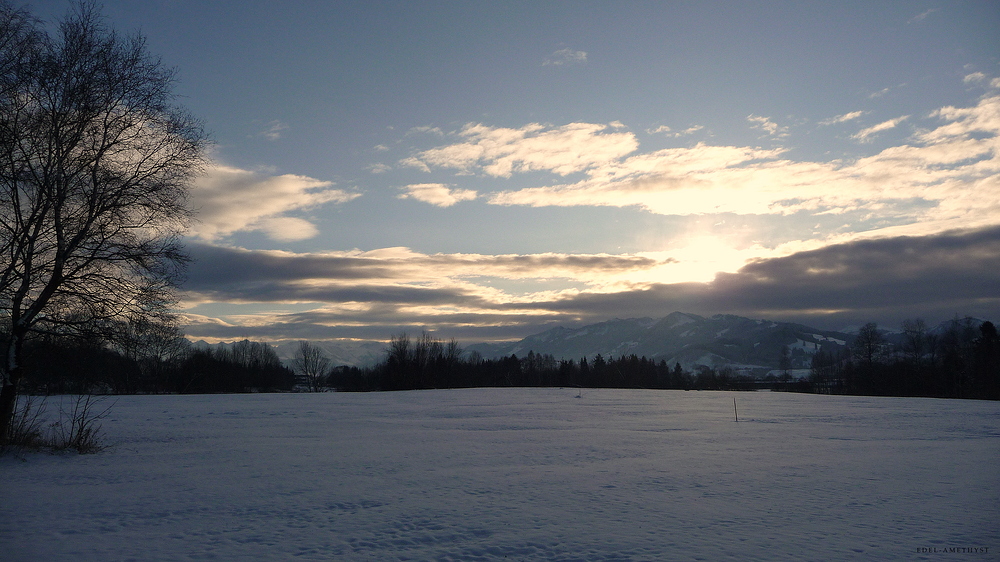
x: 219, y: 270
x: 882, y: 280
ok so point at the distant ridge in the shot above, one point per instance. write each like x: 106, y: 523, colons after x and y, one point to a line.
x: 680, y: 337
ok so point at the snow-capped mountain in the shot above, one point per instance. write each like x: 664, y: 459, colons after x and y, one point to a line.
x: 688, y: 339
x: 683, y: 338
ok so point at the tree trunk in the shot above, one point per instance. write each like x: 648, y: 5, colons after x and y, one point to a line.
x: 8, y: 399
x: 8, y: 392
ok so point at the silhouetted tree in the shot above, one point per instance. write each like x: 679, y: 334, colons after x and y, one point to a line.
x: 245, y: 366
x: 95, y: 162
x: 678, y: 378
x: 987, y: 362
x: 785, y: 361
x: 868, y: 345
x: 311, y: 364
x: 156, y: 348
x: 915, y: 340
x: 871, y: 367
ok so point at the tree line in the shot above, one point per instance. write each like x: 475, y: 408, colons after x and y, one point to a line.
x: 426, y: 363
x: 153, y: 360
x: 961, y: 362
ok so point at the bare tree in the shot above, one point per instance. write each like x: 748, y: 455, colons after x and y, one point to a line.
x: 452, y: 352
x: 95, y: 164
x: 400, y: 350
x: 425, y: 350
x: 785, y: 362
x: 915, y: 340
x: 311, y: 363
x: 156, y: 346
x: 869, y: 344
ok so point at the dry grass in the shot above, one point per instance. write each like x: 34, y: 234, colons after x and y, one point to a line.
x: 77, y: 428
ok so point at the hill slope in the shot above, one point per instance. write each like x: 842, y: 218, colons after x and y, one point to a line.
x: 688, y: 339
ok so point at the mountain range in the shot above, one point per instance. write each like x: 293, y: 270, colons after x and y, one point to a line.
x: 680, y: 337
x: 684, y: 338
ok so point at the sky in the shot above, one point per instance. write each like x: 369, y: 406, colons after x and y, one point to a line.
x: 485, y: 171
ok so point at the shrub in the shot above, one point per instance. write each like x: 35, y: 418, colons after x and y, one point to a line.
x: 77, y: 428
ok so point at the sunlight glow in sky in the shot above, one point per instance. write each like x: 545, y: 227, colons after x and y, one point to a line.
x: 488, y: 170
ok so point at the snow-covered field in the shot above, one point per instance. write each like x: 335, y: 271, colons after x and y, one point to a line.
x: 516, y: 474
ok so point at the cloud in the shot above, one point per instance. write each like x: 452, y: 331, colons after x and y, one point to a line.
x: 864, y: 135
x: 376, y: 294
x: 765, y: 124
x: 380, y: 323
x: 682, y: 181
x: 922, y: 16
x: 689, y: 130
x: 379, y: 168
x: 414, y: 162
x: 945, y: 178
x: 665, y: 130
x: 885, y: 280
x: 842, y: 118
x: 230, y: 200
x: 879, y: 93
x: 967, y: 123
x: 274, y: 130
x: 979, y: 77
x: 930, y: 247
x: 426, y: 129
x: 500, y: 152
x: 974, y: 77
x: 437, y: 194
x: 565, y: 57
x: 286, y: 229
x: 232, y: 270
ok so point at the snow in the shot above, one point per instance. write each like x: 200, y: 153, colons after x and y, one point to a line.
x: 710, y: 359
x: 794, y: 373
x: 623, y: 348
x: 808, y: 347
x: 515, y: 474
x: 820, y: 337
x: 679, y: 319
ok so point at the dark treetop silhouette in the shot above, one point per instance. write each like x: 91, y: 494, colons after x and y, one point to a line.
x: 95, y: 163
